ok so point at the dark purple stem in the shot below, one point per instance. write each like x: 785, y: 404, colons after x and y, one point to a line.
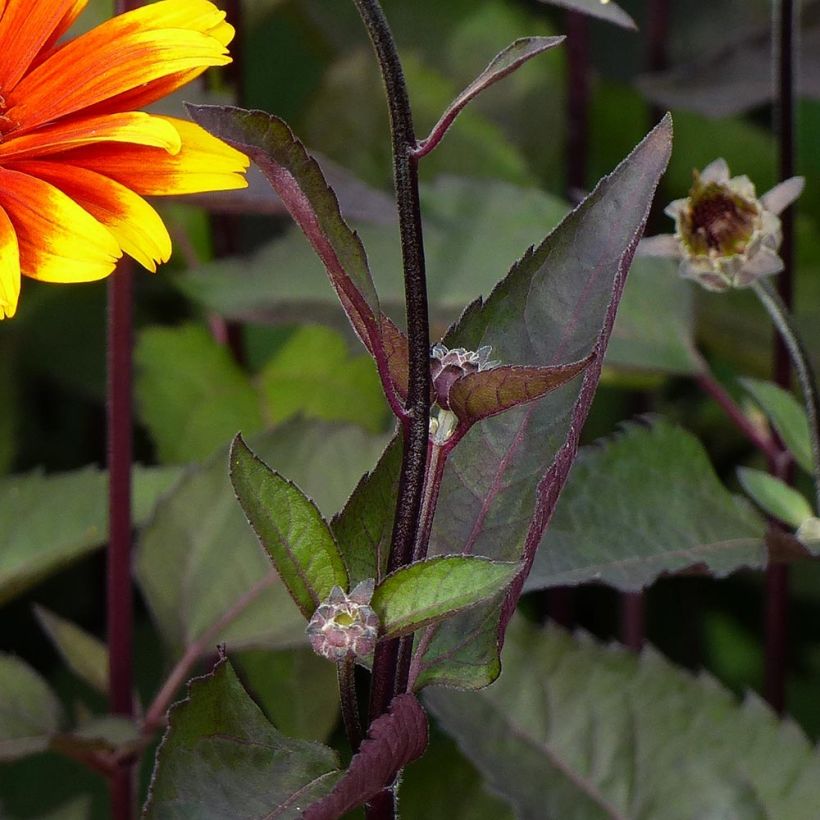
x: 414, y: 458
x: 777, y: 577
x: 346, y: 673
x: 119, y: 594
x: 578, y: 104
x: 633, y: 620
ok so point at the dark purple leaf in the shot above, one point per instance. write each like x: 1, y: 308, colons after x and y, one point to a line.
x: 489, y: 392
x: 393, y: 741
x: 500, y: 66
x: 298, y: 180
x: 501, y: 482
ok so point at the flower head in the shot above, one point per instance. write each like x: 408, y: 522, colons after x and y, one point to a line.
x: 345, y: 625
x: 76, y: 158
x: 448, y: 366
x: 725, y: 237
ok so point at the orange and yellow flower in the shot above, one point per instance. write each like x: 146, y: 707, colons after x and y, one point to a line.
x: 76, y: 158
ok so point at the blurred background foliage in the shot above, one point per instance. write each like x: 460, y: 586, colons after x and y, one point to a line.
x: 240, y: 331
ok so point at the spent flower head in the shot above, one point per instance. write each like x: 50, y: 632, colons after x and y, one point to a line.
x: 725, y: 236
x: 77, y: 158
x: 345, y: 624
x: 448, y: 366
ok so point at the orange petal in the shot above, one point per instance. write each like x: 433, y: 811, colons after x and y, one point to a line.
x: 133, y: 127
x: 64, y: 25
x: 135, y: 225
x: 9, y: 268
x: 204, y: 163
x: 104, y: 63
x: 58, y: 240
x: 25, y: 28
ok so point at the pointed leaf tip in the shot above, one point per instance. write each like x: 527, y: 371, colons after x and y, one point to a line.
x: 289, y: 527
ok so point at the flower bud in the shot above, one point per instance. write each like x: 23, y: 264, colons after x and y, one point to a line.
x: 448, y: 366
x: 345, y: 625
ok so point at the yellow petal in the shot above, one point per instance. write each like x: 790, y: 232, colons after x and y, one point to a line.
x: 204, y: 163
x: 135, y: 225
x: 9, y: 268
x: 131, y: 127
x: 58, y: 240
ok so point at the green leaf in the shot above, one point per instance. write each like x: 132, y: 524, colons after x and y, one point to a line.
x: 313, y: 374
x: 498, y: 492
x: 191, y: 394
x: 198, y: 558
x: 49, y: 521
x: 296, y: 689
x: 645, y: 503
x: 430, y: 590
x: 786, y: 415
x: 85, y: 654
x: 29, y: 711
x: 774, y: 496
x: 602, y: 733
x: 364, y: 527
x: 221, y: 759
x: 290, y: 528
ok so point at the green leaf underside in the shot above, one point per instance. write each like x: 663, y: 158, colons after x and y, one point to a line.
x: 609, y: 11
x: 49, y: 521
x: 290, y: 528
x: 199, y: 557
x: 642, y: 504
x: 551, y: 308
x: 191, y: 394
x: 430, y: 590
x: 774, y: 496
x: 221, y: 759
x: 85, y: 654
x: 298, y: 180
x: 363, y: 527
x: 602, y: 733
x: 30, y: 712
x: 486, y: 393
x: 787, y: 417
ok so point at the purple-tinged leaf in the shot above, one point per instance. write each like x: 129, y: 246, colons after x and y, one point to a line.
x: 394, y: 740
x: 290, y: 528
x: 557, y: 304
x: 298, y: 180
x: 362, y: 529
x: 397, y: 354
x: 500, y: 66
x: 489, y: 392
x: 428, y: 591
x: 222, y: 759
x: 601, y: 9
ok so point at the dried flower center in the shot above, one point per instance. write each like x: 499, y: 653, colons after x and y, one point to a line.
x: 718, y: 221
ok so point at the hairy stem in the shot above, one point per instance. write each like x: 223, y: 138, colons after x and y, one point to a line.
x: 782, y: 320
x: 346, y: 674
x: 411, y: 479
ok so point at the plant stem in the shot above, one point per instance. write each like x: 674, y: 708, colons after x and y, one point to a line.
x: 766, y: 444
x: 346, y: 673
x: 777, y: 577
x: 782, y: 320
x: 411, y: 479
x: 633, y: 620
